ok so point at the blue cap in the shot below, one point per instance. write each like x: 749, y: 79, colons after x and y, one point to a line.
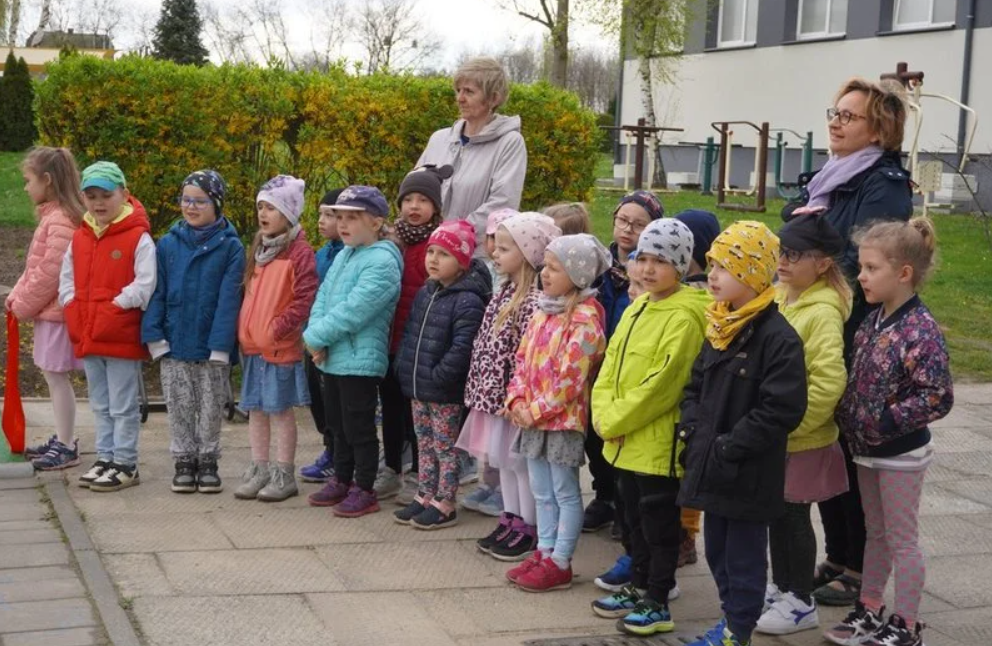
x: 363, y: 198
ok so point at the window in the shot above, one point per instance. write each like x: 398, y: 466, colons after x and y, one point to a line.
x: 914, y: 14
x: 738, y: 22
x: 820, y: 18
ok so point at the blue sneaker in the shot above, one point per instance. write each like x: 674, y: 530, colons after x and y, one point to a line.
x: 468, y: 469
x: 321, y: 470
x: 59, y: 456
x: 715, y: 636
x: 618, y: 576
x: 39, y: 450
x: 474, y: 499
x: 618, y: 605
x: 647, y: 618
x: 493, y: 505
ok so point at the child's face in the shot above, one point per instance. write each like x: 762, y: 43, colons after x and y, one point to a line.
x: 416, y: 209
x: 358, y: 228
x: 442, y: 266
x: 507, y: 256
x: 36, y: 186
x: 628, y: 223
x: 800, y: 269
x: 880, y: 279
x: 490, y: 245
x: 271, y: 221
x: 635, y: 287
x: 327, y: 223
x: 554, y: 280
x: 659, y: 277
x: 725, y: 287
x: 103, y: 205
x: 198, y: 208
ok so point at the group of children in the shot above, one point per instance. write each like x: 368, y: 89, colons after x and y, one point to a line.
x: 730, y: 402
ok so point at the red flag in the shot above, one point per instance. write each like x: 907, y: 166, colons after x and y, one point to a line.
x: 13, y: 412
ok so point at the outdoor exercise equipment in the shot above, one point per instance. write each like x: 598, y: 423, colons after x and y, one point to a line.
x: 760, y: 164
x: 780, y: 146
x: 637, y: 137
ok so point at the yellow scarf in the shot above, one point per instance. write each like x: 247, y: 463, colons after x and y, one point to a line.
x: 724, y: 324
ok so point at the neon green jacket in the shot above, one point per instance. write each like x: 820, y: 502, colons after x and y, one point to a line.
x: 818, y: 317
x: 639, y: 388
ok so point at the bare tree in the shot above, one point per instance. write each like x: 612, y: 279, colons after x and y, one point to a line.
x: 393, y: 36
x: 593, y: 76
x: 554, y: 16
x: 46, y: 15
x: 225, y: 35
x: 15, y: 22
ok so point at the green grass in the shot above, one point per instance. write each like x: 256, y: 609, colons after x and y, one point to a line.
x: 17, y: 210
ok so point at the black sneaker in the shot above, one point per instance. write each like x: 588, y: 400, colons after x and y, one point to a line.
x: 116, y: 477
x: 207, y: 480
x: 896, y: 633
x: 185, y: 479
x: 598, y: 515
x: 405, y: 515
x: 516, y: 547
x: 486, y: 543
x: 93, y: 473
x: 433, y: 518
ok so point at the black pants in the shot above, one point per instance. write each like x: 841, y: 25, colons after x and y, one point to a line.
x: 653, y: 519
x: 736, y: 551
x: 844, y: 522
x: 793, y: 550
x: 314, y: 382
x: 397, y: 420
x: 350, y: 403
x: 603, y: 473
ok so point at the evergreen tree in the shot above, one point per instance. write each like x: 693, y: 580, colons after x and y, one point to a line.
x: 17, y: 130
x: 177, y: 34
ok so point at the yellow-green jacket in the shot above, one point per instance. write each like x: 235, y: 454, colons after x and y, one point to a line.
x: 648, y: 363
x: 818, y: 317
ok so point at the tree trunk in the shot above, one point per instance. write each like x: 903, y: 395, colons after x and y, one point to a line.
x: 660, y: 178
x: 46, y: 15
x: 559, y: 46
x: 15, y: 22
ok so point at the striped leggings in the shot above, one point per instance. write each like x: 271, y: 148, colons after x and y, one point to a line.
x: 891, y: 500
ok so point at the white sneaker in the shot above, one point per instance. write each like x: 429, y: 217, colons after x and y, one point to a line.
x: 772, y: 594
x: 411, y: 486
x: 387, y: 483
x: 674, y: 593
x: 788, y: 615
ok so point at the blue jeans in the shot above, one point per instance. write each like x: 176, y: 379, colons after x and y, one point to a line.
x: 559, y: 508
x: 113, y: 387
x: 736, y: 551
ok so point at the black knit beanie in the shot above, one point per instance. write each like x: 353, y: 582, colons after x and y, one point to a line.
x: 425, y: 180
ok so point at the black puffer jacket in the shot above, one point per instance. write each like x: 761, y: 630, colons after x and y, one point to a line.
x: 738, y: 410
x: 436, y: 350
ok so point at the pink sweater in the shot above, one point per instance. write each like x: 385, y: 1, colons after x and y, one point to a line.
x: 35, y: 296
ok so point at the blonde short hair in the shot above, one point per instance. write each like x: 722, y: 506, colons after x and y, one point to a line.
x: 885, y: 110
x: 490, y: 77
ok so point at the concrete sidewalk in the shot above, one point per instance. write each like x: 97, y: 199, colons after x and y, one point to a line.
x: 212, y: 570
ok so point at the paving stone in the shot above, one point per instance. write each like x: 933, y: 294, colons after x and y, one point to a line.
x: 68, y: 637
x: 962, y: 581
x: 49, y: 573
x: 27, y: 537
x: 271, y: 620
x: 155, y: 532
x: 24, y: 525
x: 260, y: 525
x: 22, y: 511
x: 953, y: 536
x: 46, y: 615
x: 938, y: 501
x: 358, y: 616
x: 966, y: 626
x: 971, y: 394
x: 960, y: 466
x: 34, y: 555
x: 41, y: 590
x: 10, y: 496
x: 961, y: 440
x: 154, y: 497
x: 245, y: 572
x: 964, y: 416
x: 137, y: 575
x: 11, y: 484
x: 976, y: 490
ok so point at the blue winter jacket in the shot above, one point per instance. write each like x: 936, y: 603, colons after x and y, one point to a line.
x: 434, y: 356
x: 613, y: 294
x: 325, y: 257
x: 354, y: 308
x: 197, y: 296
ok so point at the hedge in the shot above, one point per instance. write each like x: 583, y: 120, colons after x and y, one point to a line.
x: 160, y: 121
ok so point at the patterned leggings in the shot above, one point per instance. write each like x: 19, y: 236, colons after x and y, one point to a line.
x: 195, y: 394
x: 891, y: 501
x: 437, y: 427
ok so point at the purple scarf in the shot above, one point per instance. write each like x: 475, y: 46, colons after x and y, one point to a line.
x: 837, y: 172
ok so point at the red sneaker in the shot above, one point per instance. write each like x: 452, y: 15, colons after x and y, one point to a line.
x: 546, y: 577
x: 531, y: 562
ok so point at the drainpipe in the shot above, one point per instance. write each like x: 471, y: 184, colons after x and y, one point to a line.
x: 969, y: 36
x: 618, y: 117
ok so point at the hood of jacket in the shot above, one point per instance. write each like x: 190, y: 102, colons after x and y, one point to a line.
x: 818, y: 294
x: 499, y: 126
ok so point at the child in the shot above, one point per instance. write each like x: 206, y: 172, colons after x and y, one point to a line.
x: 636, y: 287
x: 51, y: 180
x: 493, y: 221
x: 433, y: 363
x: 548, y: 398
x: 419, y: 202
x: 636, y: 410
x: 348, y: 336
x: 191, y: 324
x: 747, y: 393
x: 107, y: 279
x: 280, y: 281
x: 899, y: 383
x: 571, y: 217
x: 327, y: 226
x: 815, y: 298
x: 488, y: 432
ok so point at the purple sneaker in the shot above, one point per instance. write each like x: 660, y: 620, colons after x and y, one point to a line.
x: 358, y: 503
x: 329, y: 495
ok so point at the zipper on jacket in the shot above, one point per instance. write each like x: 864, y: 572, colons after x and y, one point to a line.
x: 420, y: 337
x: 675, y: 446
x: 623, y: 354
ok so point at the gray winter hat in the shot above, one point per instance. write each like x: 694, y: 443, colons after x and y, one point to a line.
x: 670, y: 240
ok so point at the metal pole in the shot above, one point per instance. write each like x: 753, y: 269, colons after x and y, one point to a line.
x: 763, y: 165
x: 808, y: 152
x: 639, y: 155
x: 969, y: 36
x: 779, y: 152
x: 708, y: 159
x: 721, y: 179
x: 626, y: 163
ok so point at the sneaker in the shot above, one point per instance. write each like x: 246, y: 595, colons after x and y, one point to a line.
x: 185, y: 479
x: 358, y: 503
x: 547, y: 576
x: 712, y: 637
x: 493, y: 505
x: 116, y: 477
x: 59, y: 456
x: 282, y: 484
x: 468, y: 468
x: 531, y: 562
x: 598, y: 515
x: 207, y: 479
x: 405, y: 515
x: 411, y: 487
x: 687, y: 550
x: 93, y: 473
x: 387, y: 484
x: 772, y: 594
x: 618, y: 605
x: 38, y: 450
x: 896, y: 633
x: 503, y: 528
x: 617, y: 577
x: 254, y: 479
x: 647, y: 618
x: 857, y: 628
x: 517, y: 544
x: 321, y: 470
x: 675, y: 592
x: 472, y: 500
x: 433, y: 518
x: 329, y: 495
x: 788, y: 615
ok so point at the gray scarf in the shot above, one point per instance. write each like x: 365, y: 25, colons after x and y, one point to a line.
x: 273, y: 246
x: 554, y: 305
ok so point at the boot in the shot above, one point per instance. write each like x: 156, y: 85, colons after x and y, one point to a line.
x: 282, y: 483
x: 255, y: 478
x: 207, y: 479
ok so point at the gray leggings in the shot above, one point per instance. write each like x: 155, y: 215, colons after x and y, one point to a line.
x: 793, y: 549
x: 195, y: 394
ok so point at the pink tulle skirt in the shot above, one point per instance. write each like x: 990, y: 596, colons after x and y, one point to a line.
x: 490, y: 438
x: 52, y: 348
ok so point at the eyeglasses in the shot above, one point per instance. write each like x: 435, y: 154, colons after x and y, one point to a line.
x: 794, y: 256
x: 193, y: 203
x: 844, y: 116
x: 622, y: 223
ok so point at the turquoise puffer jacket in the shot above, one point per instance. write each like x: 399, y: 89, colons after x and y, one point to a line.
x: 354, y: 308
